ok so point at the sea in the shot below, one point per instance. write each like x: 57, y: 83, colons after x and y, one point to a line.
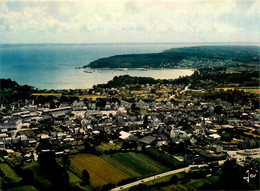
x: 52, y: 66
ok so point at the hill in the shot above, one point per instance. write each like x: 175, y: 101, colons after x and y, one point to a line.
x: 192, y: 57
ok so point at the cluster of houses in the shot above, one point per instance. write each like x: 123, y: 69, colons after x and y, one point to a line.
x: 193, y: 122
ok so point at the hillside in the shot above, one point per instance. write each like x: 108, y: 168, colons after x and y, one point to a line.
x: 193, y: 57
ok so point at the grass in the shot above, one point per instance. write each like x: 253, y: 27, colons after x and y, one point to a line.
x: 75, y: 181
x: 251, y: 134
x: 196, y: 184
x: 135, y: 164
x: 106, y: 147
x: 178, y: 187
x: 247, y: 153
x: 100, y: 172
x: 163, y: 157
x: 81, y: 97
x: 165, y: 179
x: 9, y: 173
x: 254, y: 90
x: 34, y: 167
x: 47, y: 94
x: 163, y: 99
x: 23, y: 188
x: 28, y: 133
x: 257, y: 159
x: 73, y: 177
x: 2, y: 180
x: 192, y: 184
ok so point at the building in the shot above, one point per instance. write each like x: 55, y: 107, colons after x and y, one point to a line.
x: 11, y: 124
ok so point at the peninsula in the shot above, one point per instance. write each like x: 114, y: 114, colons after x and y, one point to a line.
x: 187, y: 57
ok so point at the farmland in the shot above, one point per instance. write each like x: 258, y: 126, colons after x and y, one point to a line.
x: 23, y: 188
x: 100, y: 172
x: 163, y: 158
x: 81, y: 97
x: 9, y: 174
x: 39, y: 179
x: 254, y: 90
x: 182, y: 183
x: 134, y: 164
x: 102, y: 147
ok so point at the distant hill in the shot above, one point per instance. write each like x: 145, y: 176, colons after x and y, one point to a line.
x: 182, y: 57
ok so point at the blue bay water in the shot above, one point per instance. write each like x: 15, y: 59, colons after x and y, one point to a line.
x: 51, y: 66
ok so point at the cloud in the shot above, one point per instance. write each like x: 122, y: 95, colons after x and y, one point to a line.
x: 254, y: 10
x: 130, y: 21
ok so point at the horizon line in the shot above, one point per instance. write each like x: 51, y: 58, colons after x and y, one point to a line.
x: 93, y: 43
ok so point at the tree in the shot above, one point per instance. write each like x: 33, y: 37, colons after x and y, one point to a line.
x: 153, y: 91
x: 218, y: 110
x: 108, y: 186
x: 146, y: 120
x: 133, y: 107
x: 174, y: 179
x: 232, y: 176
x: 85, y: 176
x: 57, y: 175
x: 65, y: 161
x: 139, y: 187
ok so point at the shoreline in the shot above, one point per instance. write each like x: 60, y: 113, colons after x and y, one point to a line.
x: 98, y: 72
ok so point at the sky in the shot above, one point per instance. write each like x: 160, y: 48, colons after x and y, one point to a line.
x: 130, y: 21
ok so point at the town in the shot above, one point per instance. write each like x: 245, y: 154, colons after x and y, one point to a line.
x: 132, y: 131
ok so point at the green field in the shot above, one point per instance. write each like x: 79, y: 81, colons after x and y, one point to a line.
x: 164, y: 183
x: 28, y: 133
x: 163, y: 158
x: 196, y: 184
x: 2, y: 181
x: 81, y: 97
x: 23, y: 188
x: 75, y: 181
x: 9, y: 173
x: 100, y: 172
x: 34, y: 167
x: 254, y: 90
x: 165, y: 179
x: 257, y: 159
x: 134, y: 164
x: 106, y: 147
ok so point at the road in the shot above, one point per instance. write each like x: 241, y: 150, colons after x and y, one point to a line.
x: 159, y: 176
x: 234, y: 154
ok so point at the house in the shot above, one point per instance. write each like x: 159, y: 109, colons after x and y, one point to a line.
x: 24, y: 140
x: 32, y: 142
x: 148, y: 140
x: 124, y: 135
x: 11, y: 124
x: 142, y: 105
x: 78, y: 105
x: 2, y: 144
x: 43, y: 136
x: 125, y: 104
x: 215, y: 136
